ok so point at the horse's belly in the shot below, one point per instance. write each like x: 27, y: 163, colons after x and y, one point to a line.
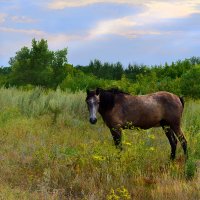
x: 145, y: 123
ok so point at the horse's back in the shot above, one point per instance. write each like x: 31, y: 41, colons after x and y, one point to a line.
x: 149, y: 110
x: 169, y: 101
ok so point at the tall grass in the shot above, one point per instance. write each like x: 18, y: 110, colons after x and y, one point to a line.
x: 50, y: 151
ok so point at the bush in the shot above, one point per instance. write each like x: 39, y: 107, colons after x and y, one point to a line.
x: 190, y: 83
x: 80, y: 81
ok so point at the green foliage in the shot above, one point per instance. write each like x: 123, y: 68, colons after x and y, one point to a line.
x: 147, y: 84
x: 192, y: 111
x: 38, y: 66
x: 103, y: 70
x: 170, y: 85
x: 190, y: 82
x: 4, y: 75
x: 135, y: 70
x: 33, y: 103
x: 59, y: 67
x: 190, y: 168
x: 140, y: 79
x: 77, y: 80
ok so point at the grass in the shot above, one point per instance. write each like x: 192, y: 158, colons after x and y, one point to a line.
x: 50, y: 151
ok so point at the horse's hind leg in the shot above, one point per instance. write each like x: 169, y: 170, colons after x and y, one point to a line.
x: 172, y: 140
x: 177, y: 130
x: 117, y: 137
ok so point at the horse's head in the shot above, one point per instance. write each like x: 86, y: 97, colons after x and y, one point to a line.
x: 92, y: 101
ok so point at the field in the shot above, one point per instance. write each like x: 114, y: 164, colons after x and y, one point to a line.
x: 49, y: 150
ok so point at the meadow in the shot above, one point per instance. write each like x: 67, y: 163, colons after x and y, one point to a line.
x: 49, y: 150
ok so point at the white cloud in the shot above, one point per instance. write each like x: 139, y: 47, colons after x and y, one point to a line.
x: 23, y: 37
x: 55, y: 40
x: 166, y: 10
x: 135, y: 25
x: 112, y: 27
x: 23, y: 31
x: 61, y: 4
x: 22, y: 19
x: 153, y: 14
x: 122, y: 26
x: 2, y: 17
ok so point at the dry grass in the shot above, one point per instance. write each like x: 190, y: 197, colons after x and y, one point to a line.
x: 50, y: 151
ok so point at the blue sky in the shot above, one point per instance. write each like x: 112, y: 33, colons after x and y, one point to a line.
x: 130, y: 31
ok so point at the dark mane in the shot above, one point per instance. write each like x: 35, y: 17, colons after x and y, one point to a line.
x: 121, y: 110
x: 116, y: 91
x: 107, y: 98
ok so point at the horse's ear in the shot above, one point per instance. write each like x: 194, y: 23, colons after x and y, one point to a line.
x: 98, y: 90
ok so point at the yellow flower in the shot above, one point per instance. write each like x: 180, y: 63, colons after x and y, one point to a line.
x: 127, y: 143
x: 151, y: 137
x: 97, y: 157
x: 152, y: 149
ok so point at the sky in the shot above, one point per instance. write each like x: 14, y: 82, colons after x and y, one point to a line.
x: 149, y: 32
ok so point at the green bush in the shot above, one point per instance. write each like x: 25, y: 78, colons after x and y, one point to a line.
x: 190, y: 168
x: 190, y: 83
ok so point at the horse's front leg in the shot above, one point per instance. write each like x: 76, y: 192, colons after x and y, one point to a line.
x: 117, y: 137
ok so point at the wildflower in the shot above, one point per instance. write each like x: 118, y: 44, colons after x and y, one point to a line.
x: 151, y: 136
x: 127, y: 143
x: 123, y: 193
x: 99, y: 158
x: 112, y: 196
x: 152, y: 149
x: 119, y: 193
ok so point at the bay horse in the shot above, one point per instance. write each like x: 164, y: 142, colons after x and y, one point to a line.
x: 121, y: 110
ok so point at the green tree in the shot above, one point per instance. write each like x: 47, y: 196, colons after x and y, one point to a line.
x: 59, y: 67
x: 38, y: 65
x: 190, y: 83
x: 133, y: 71
x: 4, y: 75
x: 20, y: 66
x: 118, y: 71
x: 106, y: 71
x: 147, y: 83
x: 77, y: 80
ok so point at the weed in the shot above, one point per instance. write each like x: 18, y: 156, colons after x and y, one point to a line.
x: 71, y: 159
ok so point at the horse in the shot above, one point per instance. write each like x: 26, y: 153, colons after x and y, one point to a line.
x: 121, y: 110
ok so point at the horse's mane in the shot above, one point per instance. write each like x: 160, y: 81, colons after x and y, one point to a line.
x: 107, y: 97
x: 116, y: 91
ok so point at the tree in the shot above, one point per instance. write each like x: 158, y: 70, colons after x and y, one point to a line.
x: 104, y: 71
x: 20, y: 67
x: 190, y: 83
x: 76, y: 80
x: 134, y: 70
x: 118, y: 71
x: 38, y: 65
x: 59, y: 67
x: 41, y: 63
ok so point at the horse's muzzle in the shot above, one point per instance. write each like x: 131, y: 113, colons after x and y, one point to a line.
x: 93, y: 121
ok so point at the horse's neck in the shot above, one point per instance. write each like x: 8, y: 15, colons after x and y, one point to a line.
x: 102, y: 112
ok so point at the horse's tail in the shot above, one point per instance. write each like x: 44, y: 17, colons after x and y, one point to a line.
x: 182, y: 101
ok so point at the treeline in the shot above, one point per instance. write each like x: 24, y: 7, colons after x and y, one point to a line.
x: 38, y: 66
